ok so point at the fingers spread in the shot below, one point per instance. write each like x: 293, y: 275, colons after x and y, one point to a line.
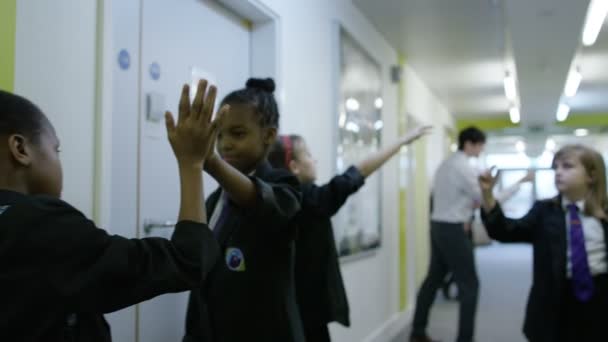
x: 169, y: 122
x: 184, y: 104
x: 209, y: 104
x: 197, y: 105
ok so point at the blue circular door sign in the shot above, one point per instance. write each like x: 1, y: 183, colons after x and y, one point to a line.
x: 155, y: 71
x: 124, y: 59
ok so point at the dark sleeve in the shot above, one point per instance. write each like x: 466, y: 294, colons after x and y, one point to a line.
x: 92, y: 271
x: 505, y: 229
x: 198, y: 322
x: 279, y: 200
x: 327, y: 199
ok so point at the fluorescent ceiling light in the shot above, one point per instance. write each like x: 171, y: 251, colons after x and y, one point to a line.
x: 353, y: 127
x: 596, y: 14
x: 520, y: 146
x: 514, y: 115
x: 378, y: 125
x: 379, y: 103
x: 572, y: 83
x: 352, y: 104
x: 342, y: 119
x: 562, y: 112
x: 581, y: 132
x: 510, y: 91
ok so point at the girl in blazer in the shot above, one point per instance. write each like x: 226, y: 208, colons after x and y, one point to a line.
x: 249, y: 295
x: 319, y: 286
x: 569, y: 293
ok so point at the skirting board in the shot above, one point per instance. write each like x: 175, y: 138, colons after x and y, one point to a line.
x: 391, y: 328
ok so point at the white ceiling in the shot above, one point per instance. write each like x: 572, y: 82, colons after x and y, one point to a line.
x: 592, y: 96
x: 462, y: 48
x: 535, y: 145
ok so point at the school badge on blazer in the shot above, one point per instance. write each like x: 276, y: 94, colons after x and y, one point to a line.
x: 235, y: 260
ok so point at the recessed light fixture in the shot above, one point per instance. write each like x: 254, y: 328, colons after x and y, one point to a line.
x: 562, y: 112
x: 596, y: 14
x: 572, y: 83
x: 352, y: 104
x: 510, y: 89
x: 514, y: 115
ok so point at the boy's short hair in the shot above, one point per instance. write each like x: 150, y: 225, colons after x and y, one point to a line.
x: 471, y: 134
x: 18, y: 115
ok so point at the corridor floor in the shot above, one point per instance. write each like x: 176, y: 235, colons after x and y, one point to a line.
x: 505, y: 277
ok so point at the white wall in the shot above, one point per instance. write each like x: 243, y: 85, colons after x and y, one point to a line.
x: 55, y: 68
x: 423, y: 104
x: 426, y: 109
x: 263, y: 50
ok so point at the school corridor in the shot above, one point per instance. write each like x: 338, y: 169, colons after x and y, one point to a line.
x: 505, y: 277
x: 351, y: 78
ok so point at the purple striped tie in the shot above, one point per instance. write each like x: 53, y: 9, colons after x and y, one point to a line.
x: 582, y: 282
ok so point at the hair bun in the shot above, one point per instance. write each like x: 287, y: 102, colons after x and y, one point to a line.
x: 265, y: 84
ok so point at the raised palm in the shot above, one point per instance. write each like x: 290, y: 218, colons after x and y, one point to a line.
x: 487, y: 181
x: 193, y: 137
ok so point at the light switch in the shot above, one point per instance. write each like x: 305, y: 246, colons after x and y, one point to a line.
x: 155, y: 106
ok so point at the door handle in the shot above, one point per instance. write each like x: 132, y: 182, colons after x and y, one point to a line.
x: 149, y: 225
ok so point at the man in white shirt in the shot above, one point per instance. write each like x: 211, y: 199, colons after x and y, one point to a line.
x: 455, y: 193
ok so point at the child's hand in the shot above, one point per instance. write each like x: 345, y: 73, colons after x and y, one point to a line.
x: 415, y: 134
x: 487, y: 181
x: 529, y: 177
x: 193, y: 138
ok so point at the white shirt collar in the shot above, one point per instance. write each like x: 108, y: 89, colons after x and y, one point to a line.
x: 565, y: 202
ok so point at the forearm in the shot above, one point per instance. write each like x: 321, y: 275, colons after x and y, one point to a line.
x: 191, y: 194
x: 504, y: 229
x: 507, y: 193
x: 374, y: 161
x: 488, y: 201
x: 239, y: 187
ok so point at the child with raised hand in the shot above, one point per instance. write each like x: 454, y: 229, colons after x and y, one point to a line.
x: 569, y: 293
x: 319, y: 286
x: 59, y: 273
x: 249, y: 295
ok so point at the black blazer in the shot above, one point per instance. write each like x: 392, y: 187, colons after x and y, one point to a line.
x: 59, y: 273
x: 257, y: 303
x: 319, y: 285
x: 544, y: 226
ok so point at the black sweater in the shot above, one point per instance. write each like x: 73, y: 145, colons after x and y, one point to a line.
x: 59, y: 273
x: 255, y: 302
x: 319, y: 285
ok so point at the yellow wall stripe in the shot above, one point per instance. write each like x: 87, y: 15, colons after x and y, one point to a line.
x: 403, y: 271
x: 8, y: 18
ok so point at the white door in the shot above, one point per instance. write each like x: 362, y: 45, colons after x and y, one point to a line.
x: 178, y: 36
